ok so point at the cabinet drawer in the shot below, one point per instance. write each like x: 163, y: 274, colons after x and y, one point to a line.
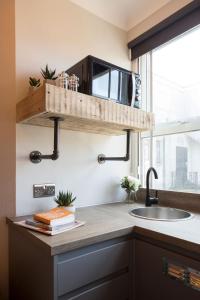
x: 90, y: 265
x: 116, y: 289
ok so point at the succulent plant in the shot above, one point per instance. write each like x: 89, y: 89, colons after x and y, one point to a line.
x: 34, y: 82
x: 65, y: 199
x: 48, y: 73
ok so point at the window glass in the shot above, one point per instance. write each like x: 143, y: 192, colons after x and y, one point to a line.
x: 176, y: 79
x: 171, y: 83
x: 145, y: 158
x: 177, y: 162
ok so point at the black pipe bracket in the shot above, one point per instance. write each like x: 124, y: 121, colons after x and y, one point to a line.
x: 102, y: 158
x: 36, y: 156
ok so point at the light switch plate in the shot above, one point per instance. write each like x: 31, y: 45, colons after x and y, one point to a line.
x: 44, y: 190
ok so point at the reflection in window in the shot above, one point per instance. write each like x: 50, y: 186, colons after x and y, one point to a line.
x: 179, y: 166
x: 124, y: 88
x: 114, y: 88
x: 100, y: 82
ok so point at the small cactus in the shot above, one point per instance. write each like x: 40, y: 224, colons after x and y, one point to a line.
x: 34, y: 82
x: 48, y: 73
x: 65, y: 199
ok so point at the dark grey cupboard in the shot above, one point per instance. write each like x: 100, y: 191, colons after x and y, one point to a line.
x: 131, y: 267
x: 164, y: 274
x: 96, y: 272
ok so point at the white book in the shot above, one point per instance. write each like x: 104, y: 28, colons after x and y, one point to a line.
x: 51, y: 232
x: 39, y: 224
x: 63, y: 220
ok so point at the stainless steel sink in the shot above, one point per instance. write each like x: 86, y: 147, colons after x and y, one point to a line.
x: 161, y: 213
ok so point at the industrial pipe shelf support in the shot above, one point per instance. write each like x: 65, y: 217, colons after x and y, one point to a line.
x: 36, y: 156
x: 102, y: 158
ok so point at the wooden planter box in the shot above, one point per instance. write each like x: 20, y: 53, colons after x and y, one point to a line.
x: 81, y: 112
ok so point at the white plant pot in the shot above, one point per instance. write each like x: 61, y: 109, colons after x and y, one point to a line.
x: 50, y: 81
x: 71, y: 208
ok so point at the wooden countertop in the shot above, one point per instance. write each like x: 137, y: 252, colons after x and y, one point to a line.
x: 109, y: 221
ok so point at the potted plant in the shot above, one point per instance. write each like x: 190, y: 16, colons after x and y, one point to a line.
x: 131, y: 186
x: 34, y: 83
x: 66, y: 200
x: 49, y: 75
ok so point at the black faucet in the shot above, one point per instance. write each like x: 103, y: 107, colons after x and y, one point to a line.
x: 150, y: 200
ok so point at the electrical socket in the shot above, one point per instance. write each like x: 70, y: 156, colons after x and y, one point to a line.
x: 44, y: 190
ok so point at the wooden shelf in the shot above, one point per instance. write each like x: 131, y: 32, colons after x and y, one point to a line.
x: 81, y: 112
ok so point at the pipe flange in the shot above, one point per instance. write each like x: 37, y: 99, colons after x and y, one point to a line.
x: 35, y: 157
x: 101, y: 158
x: 56, y: 119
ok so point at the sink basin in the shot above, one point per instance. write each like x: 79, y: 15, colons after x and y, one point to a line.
x: 161, y: 213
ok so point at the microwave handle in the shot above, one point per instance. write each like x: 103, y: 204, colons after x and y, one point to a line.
x: 131, y: 89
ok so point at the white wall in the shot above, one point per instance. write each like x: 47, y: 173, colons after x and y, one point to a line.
x: 61, y: 33
x: 77, y: 168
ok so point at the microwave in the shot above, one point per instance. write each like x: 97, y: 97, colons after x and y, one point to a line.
x: 105, y: 80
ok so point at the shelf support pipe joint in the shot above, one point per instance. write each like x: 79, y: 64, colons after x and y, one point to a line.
x: 36, y: 156
x: 102, y: 158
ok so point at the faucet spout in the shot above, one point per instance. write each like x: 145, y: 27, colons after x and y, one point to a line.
x: 150, y: 200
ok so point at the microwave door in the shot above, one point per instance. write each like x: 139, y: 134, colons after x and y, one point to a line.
x: 114, y: 84
x: 100, y: 80
x: 124, y: 88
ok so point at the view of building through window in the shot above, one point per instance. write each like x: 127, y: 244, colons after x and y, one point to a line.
x: 174, y: 148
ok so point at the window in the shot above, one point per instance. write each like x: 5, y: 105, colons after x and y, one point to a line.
x: 171, y: 89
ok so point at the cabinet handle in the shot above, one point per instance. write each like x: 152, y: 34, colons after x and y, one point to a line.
x: 190, y: 277
x: 173, y: 270
x: 176, y: 271
x: 194, y: 278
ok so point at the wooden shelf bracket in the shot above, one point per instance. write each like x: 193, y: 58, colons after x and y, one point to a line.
x: 102, y: 158
x: 36, y: 156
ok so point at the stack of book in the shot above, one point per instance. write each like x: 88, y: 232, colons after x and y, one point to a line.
x: 54, y: 221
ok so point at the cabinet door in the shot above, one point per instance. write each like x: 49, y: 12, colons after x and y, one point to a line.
x: 115, y: 289
x: 151, y: 279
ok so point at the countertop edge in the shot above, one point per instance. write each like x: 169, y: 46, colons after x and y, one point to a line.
x: 151, y: 236
x: 112, y: 221
x: 173, y: 243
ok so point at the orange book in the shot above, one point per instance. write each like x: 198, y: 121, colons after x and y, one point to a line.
x: 55, y: 216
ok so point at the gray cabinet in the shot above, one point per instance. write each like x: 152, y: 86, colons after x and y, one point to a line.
x: 116, y: 289
x: 84, y: 266
x: 164, y: 274
x: 135, y: 267
x: 97, y: 272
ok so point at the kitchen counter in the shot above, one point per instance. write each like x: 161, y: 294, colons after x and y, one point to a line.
x: 104, y: 222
